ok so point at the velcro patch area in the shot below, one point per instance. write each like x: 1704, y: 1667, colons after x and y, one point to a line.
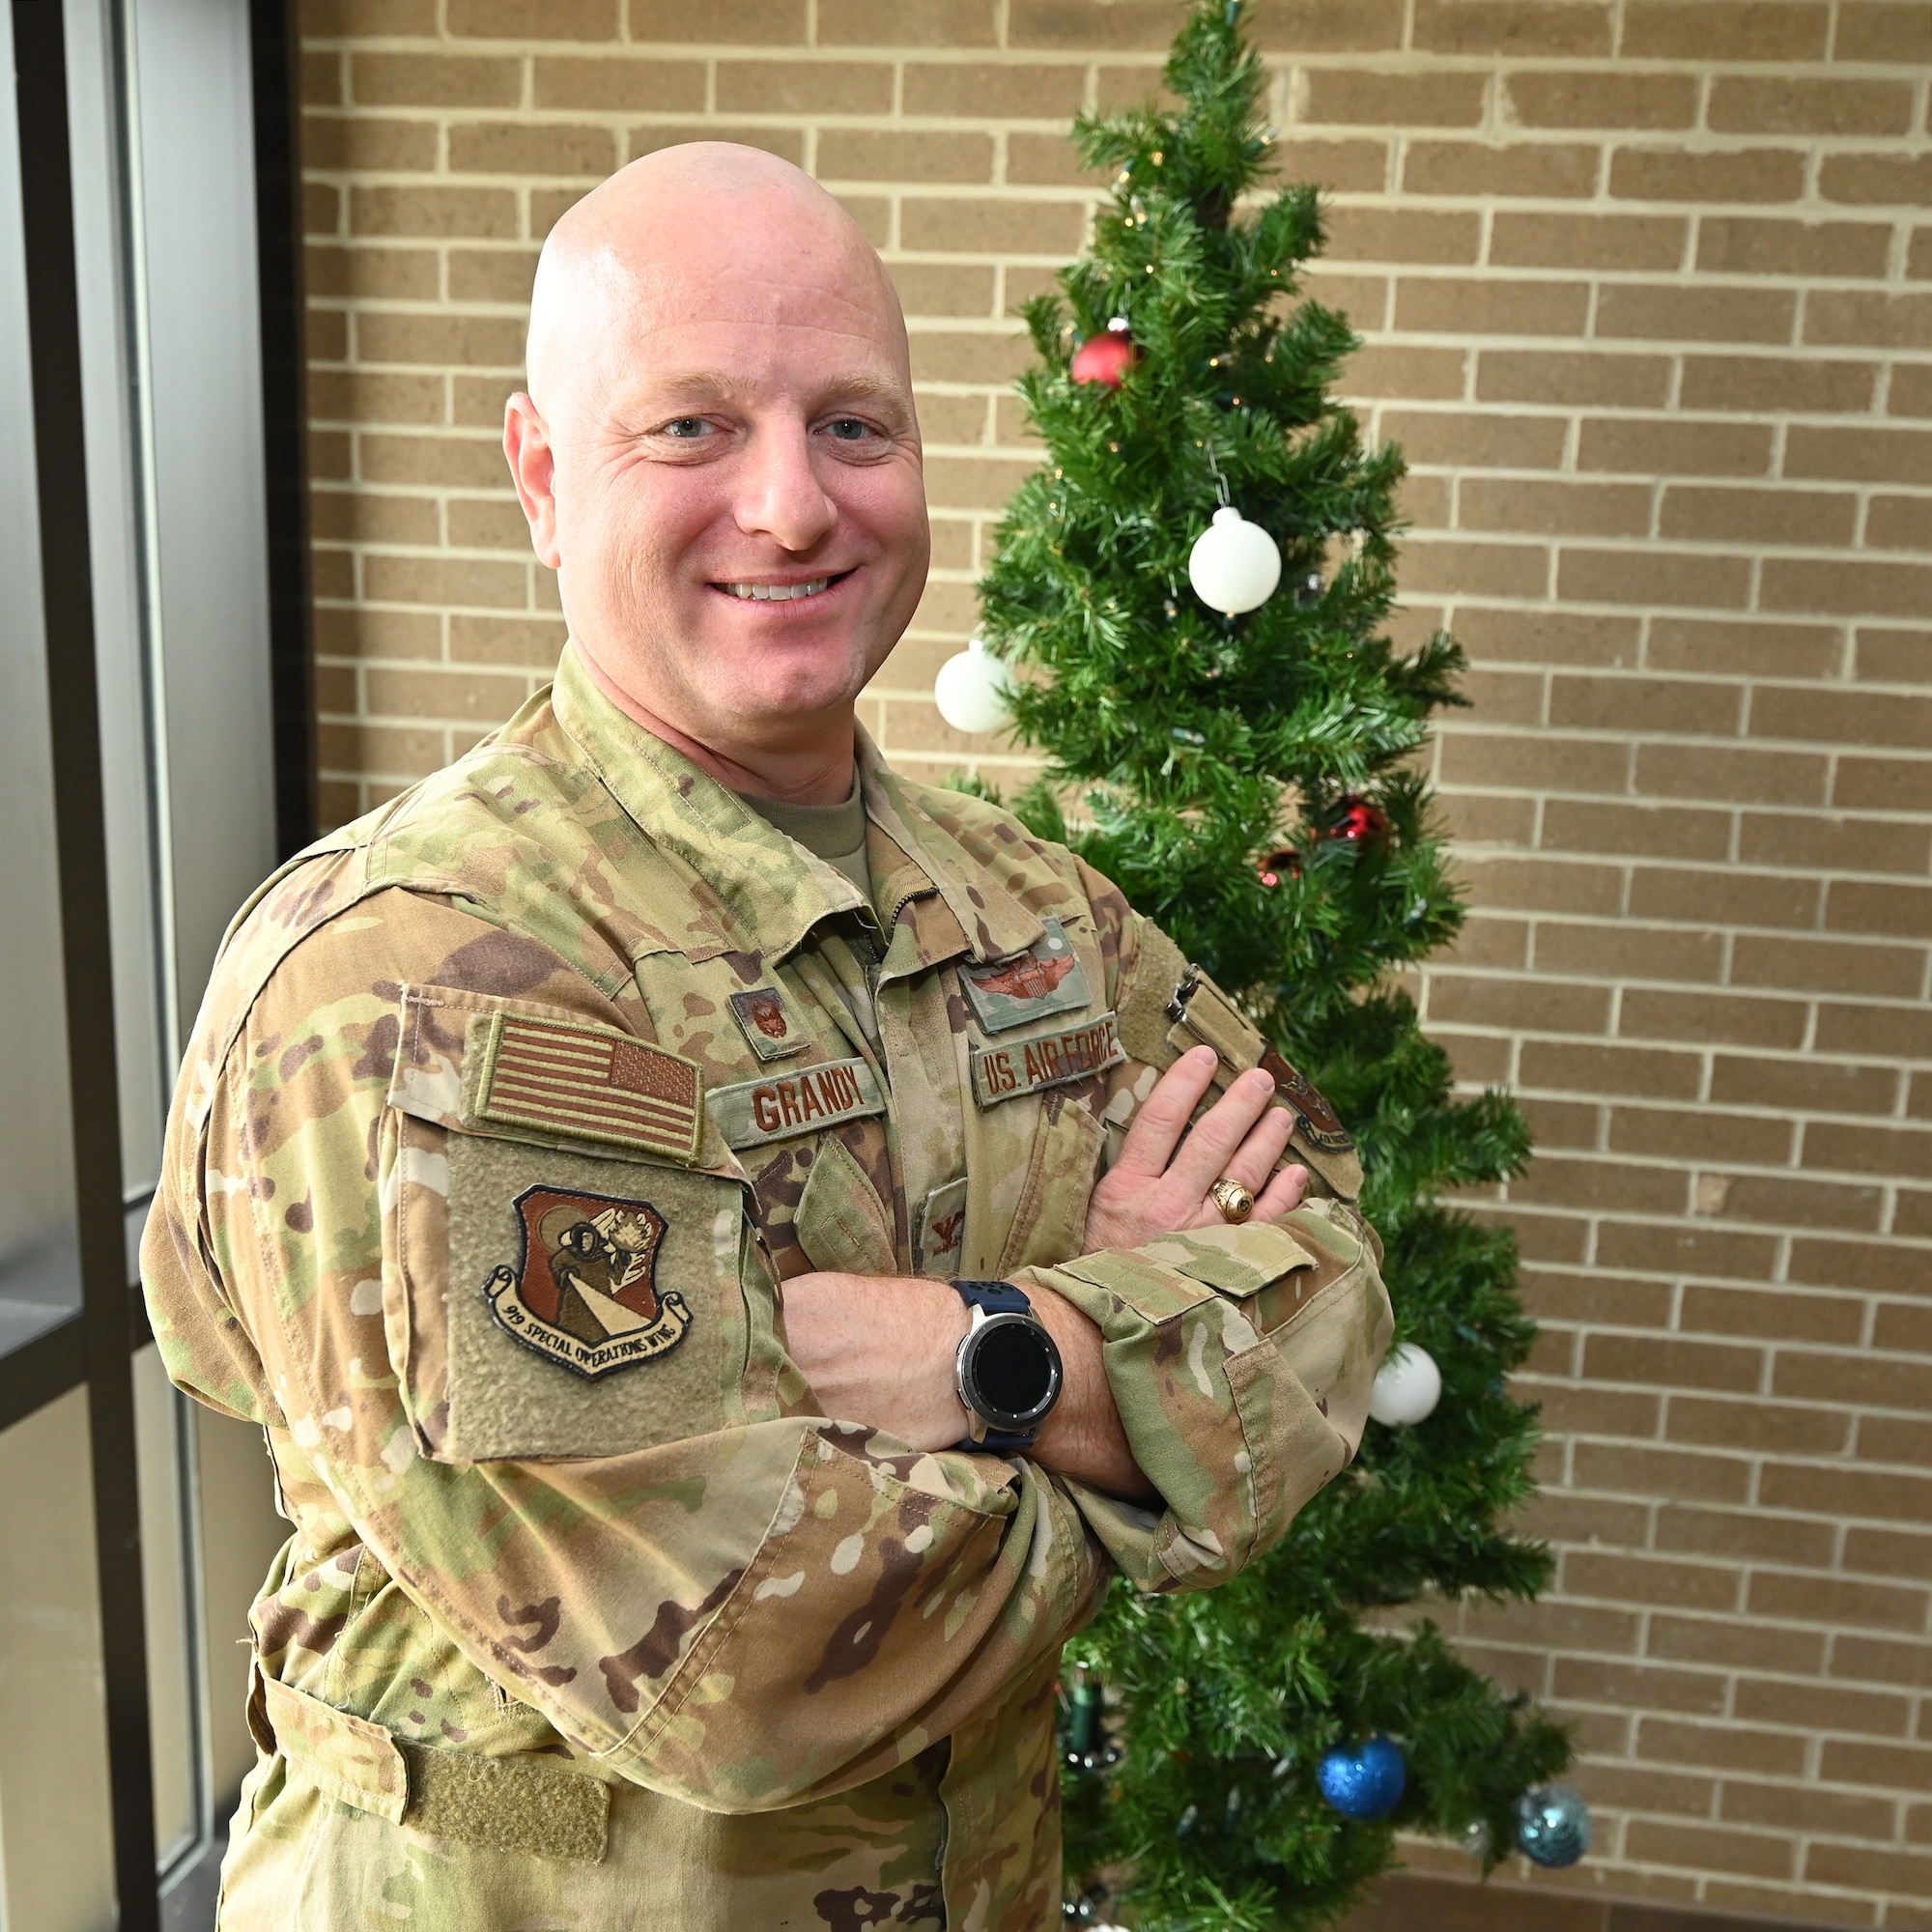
x: 590, y: 1083
x: 799, y: 1101
x: 1025, y: 1065
x: 526, y: 1804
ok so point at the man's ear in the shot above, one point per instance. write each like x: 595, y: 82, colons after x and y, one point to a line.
x: 533, y: 468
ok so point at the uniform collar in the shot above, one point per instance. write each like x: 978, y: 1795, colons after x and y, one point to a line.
x: 991, y: 923
x: 737, y: 856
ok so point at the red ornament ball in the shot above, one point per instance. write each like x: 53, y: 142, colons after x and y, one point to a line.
x: 1104, y: 359
x: 1286, y: 864
x: 1360, y: 820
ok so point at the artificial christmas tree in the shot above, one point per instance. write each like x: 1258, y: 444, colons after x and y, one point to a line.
x: 1250, y: 781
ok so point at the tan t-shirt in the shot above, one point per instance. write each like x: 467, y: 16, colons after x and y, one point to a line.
x: 833, y: 833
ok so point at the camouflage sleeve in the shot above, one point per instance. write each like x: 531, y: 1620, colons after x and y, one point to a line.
x: 1239, y: 1358
x: 729, y: 1602
x: 1240, y: 1361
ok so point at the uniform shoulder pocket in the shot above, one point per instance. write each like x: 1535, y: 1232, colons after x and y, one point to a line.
x: 565, y: 1241
x: 1167, y: 1007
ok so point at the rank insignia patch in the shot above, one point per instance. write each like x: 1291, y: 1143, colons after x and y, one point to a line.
x: 1025, y: 1065
x: 1319, y: 1121
x: 583, y: 1291
x: 1046, y: 978
x: 767, y: 1023
x: 941, y: 1229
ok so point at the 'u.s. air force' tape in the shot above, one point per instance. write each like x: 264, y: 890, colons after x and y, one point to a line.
x: 795, y: 1101
x: 1024, y: 1066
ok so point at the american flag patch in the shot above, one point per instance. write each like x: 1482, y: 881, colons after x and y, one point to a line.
x: 590, y: 1083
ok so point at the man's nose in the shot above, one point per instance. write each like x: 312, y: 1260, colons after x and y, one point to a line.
x: 780, y: 495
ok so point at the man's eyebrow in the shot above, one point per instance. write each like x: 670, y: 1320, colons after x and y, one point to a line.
x: 720, y: 387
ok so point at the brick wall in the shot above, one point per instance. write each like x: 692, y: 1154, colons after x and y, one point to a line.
x: 1648, y: 292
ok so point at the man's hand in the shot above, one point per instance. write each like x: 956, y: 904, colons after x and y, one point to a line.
x: 1157, y: 1188
x: 880, y: 1348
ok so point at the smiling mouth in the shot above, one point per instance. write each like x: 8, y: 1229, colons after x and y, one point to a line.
x: 781, y: 593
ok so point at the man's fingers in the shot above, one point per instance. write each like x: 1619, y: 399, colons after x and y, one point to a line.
x: 1253, y: 1161
x: 1283, y: 1195
x: 1164, y: 1114
x: 1205, y: 1155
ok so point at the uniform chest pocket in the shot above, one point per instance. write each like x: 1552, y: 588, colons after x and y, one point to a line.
x: 549, y: 1295
x: 1050, y: 1217
x: 840, y: 1222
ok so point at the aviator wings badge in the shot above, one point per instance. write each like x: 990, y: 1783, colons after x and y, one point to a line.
x: 1046, y: 978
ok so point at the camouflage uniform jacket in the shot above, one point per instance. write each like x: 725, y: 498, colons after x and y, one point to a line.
x: 509, y: 1109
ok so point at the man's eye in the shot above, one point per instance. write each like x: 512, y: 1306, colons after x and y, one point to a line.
x: 848, y: 429
x: 687, y: 427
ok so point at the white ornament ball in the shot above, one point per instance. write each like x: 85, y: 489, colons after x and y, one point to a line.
x: 1234, y: 565
x: 1407, y: 1387
x: 975, y: 690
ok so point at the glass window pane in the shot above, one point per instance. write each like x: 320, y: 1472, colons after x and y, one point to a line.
x: 56, y: 1843
x: 40, y: 1277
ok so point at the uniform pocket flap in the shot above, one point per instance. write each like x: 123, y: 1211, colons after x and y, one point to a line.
x: 1171, y: 1274
x: 840, y: 1222
x: 1168, y: 1276
x: 347, y: 1757
x: 1150, y: 1291
x: 473, y: 1065
x: 1238, y: 1261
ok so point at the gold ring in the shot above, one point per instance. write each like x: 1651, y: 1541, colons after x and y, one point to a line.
x: 1234, y: 1199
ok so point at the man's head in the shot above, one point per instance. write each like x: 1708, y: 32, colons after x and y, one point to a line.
x: 720, y: 409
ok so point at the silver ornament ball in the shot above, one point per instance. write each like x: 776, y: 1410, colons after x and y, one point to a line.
x: 1553, y: 1824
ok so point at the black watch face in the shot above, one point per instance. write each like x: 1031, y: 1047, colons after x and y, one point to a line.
x: 1014, y: 1372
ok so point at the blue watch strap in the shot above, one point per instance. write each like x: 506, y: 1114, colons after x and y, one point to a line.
x: 996, y: 1297
x: 997, y: 1442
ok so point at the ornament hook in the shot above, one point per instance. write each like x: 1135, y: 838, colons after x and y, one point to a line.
x: 1220, y: 481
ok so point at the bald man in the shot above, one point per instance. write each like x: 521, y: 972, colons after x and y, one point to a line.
x: 732, y: 1250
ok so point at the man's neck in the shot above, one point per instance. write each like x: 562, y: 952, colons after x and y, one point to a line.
x: 816, y: 768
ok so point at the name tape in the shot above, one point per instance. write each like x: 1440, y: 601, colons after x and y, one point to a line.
x: 800, y: 1101
x: 1026, y: 1065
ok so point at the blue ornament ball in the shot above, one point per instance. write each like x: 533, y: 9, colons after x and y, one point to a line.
x: 1553, y: 1824
x: 1364, y: 1780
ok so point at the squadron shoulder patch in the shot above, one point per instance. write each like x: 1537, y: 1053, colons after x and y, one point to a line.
x: 1046, y: 978
x: 1025, y: 1065
x: 1319, y: 1121
x: 766, y: 1022
x: 1201, y: 1011
x: 583, y: 1291
x: 588, y: 1083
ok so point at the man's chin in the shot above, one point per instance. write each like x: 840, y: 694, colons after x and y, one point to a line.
x: 771, y: 682
x: 786, y: 717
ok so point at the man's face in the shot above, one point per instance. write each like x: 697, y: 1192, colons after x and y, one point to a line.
x: 740, y: 511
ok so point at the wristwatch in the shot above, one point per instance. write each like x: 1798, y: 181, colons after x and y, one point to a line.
x: 1008, y: 1370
